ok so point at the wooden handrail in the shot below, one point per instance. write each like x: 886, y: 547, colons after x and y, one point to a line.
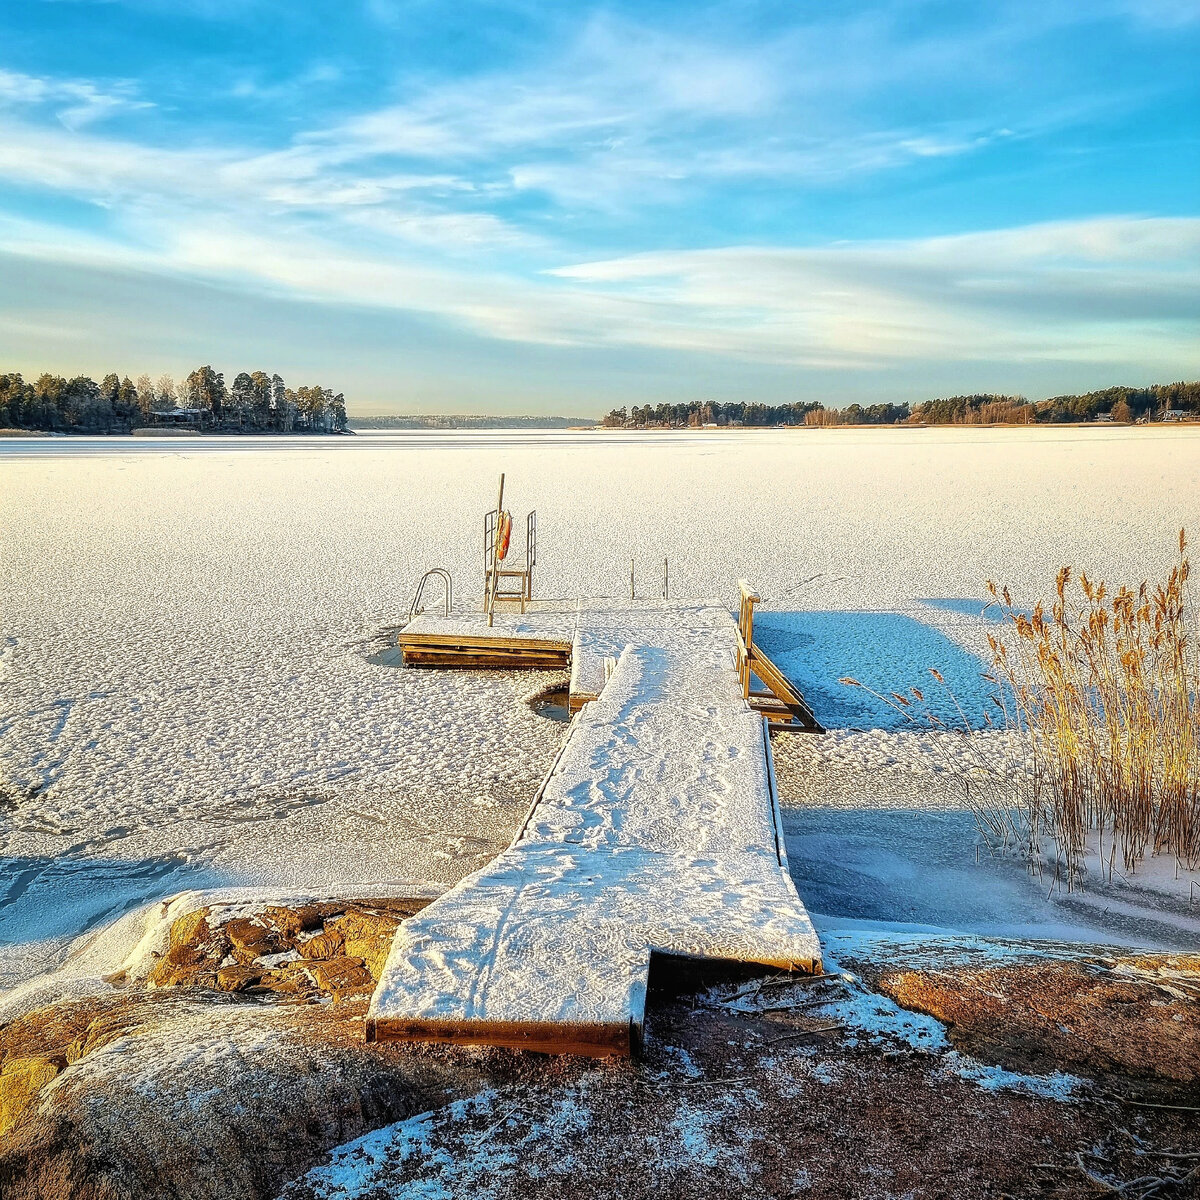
x: 752, y: 661
x: 749, y: 598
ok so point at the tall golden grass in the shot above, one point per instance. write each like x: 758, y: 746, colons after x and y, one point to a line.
x: 1102, y: 691
x: 1106, y: 685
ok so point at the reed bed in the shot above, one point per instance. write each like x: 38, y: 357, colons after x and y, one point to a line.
x: 1103, y: 688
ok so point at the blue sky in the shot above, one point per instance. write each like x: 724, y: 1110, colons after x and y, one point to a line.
x: 525, y: 207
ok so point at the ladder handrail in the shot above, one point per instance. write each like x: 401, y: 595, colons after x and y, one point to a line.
x: 444, y: 575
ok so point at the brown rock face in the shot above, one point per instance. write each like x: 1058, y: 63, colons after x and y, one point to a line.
x: 237, y: 978
x: 327, y: 944
x: 210, y: 1098
x: 342, y: 976
x: 20, y: 1081
x: 190, y: 931
x: 1136, y: 1018
x: 37, y: 1047
x: 221, y: 1051
x: 327, y: 936
x: 252, y: 939
x: 367, y: 935
x: 192, y: 953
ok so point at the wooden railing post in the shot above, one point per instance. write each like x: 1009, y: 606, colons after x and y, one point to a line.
x: 746, y: 632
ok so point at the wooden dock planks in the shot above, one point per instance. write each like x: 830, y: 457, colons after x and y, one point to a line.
x: 657, y: 830
x: 447, y: 643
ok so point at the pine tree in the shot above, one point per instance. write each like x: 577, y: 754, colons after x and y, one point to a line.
x: 205, y: 388
x: 242, y: 397
x: 145, y: 395
x: 260, y: 383
x: 165, y: 393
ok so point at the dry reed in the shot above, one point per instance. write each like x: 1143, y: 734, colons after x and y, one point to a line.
x: 1103, y: 689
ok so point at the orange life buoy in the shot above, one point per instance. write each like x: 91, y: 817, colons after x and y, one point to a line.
x: 503, y: 534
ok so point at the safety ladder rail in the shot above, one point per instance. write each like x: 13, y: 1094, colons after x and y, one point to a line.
x: 442, y: 574
x: 494, y: 575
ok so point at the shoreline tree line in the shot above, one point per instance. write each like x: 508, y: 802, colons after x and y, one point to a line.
x: 1121, y: 404
x: 255, y: 401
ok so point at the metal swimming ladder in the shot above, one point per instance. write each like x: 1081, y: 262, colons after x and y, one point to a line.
x: 444, y: 575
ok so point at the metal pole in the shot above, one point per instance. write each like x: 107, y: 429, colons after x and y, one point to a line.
x: 491, y: 597
x: 666, y: 581
x: 631, y: 596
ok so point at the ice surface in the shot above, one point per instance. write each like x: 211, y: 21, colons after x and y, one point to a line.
x: 903, y: 870
x: 186, y: 627
x: 887, y: 652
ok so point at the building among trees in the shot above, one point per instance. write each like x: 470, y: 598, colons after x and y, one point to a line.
x: 257, y: 402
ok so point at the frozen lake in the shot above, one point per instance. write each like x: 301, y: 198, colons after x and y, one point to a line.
x: 186, y: 691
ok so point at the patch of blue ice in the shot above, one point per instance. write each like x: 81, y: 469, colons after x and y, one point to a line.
x: 887, y: 652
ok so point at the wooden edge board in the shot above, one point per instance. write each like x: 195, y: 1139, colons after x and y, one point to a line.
x: 485, y: 662
x: 485, y: 652
x: 481, y: 641
x: 595, y: 1040
x: 452, y: 656
x: 772, y: 676
x: 794, y: 966
x: 447, y: 653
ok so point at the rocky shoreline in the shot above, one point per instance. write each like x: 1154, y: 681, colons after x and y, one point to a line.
x: 233, y: 1063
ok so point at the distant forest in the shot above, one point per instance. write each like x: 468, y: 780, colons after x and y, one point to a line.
x: 255, y: 401
x: 1118, y: 403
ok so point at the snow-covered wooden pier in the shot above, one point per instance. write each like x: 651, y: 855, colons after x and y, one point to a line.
x: 657, y: 832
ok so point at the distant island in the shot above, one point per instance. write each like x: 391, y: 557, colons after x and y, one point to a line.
x: 1160, y: 401
x: 260, y: 403
x: 255, y: 403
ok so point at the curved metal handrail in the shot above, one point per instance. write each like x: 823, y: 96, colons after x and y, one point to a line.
x: 444, y: 575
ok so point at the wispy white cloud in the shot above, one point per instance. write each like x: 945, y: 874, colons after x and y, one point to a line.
x: 76, y: 102
x: 624, y: 119
x: 1162, y: 14
x: 1110, y: 290
x: 1085, y: 290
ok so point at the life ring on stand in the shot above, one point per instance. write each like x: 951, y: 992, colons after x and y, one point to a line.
x: 503, y: 534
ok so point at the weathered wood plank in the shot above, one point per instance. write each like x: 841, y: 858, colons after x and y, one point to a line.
x: 783, y: 688
x: 468, y: 662
x: 508, y: 644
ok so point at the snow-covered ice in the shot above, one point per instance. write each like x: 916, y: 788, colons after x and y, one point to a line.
x: 187, y: 697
